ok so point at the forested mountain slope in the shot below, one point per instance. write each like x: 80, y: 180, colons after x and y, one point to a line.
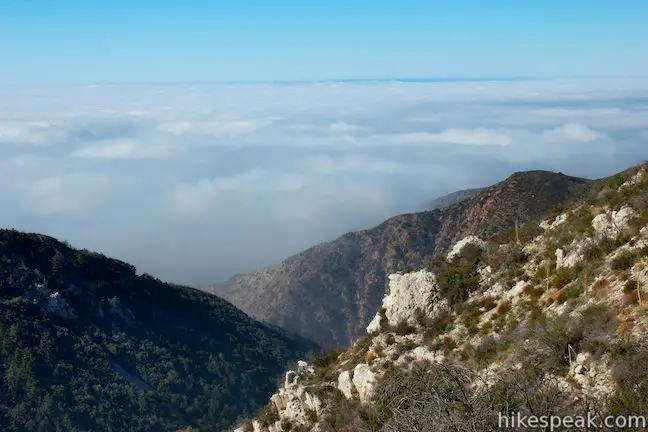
x: 86, y: 344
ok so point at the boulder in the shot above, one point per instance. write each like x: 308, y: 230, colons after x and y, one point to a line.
x: 364, y: 380
x: 611, y: 224
x: 345, y: 385
x: 407, y: 293
x: 461, y: 244
x: 560, y: 219
x: 560, y: 256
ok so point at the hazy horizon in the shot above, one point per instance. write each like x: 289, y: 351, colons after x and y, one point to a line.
x: 196, y: 183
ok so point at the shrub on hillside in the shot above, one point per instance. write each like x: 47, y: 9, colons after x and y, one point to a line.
x: 563, y: 276
x: 510, y: 257
x: 617, y: 180
x: 456, y: 283
x: 403, y: 328
x: 471, y: 255
x: 624, y: 260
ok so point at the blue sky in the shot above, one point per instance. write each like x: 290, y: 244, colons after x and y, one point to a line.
x: 99, y: 41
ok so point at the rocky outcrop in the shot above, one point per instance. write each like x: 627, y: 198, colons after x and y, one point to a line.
x: 460, y: 245
x: 345, y: 384
x: 613, y: 223
x: 523, y: 328
x: 295, y: 402
x: 549, y: 225
x: 576, y: 251
x: 364, y: 380
x: 593, y: 376
x: 407, y: 294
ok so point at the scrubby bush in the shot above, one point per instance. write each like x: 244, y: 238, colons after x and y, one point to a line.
x: 326, y: 360
x: 471, y: 255
x: 624, y: 260
x: 510, y: 257
x: 486, y: 351
x: 441, y: 323
x: 429, y: 397
x: 617, y: 180
x: 456, y: 283
x: 403, y: 328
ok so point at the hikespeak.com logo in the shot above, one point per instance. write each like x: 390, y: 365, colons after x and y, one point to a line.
x: 589, y: 422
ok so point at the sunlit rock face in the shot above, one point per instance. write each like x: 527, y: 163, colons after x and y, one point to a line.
x: 407, y: 293
x: 613, y: 223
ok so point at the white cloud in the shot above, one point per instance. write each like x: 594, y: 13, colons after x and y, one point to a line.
x: 193, y: 199
x: 573, y: 132
x: 71, y: 194
x: 122, y: 148
x: 220, y: 179
x: 478, y: 137
x: 217, y: 128
x: 32, y: 133
x: 355, y: 163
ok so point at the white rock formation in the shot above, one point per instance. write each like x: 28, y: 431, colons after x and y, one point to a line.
x: 593, y: 375
x: 345, y: 385
x: 560, y: 219
x: 611, y: 224
x: 560, y: 257
x: 407, y: 293
x: 635, y: 179
x: 577, y: 251
x: 422, y: 354
x: 458, y: 247
x: 304, y: 368
x: 364, y: 380
x: 295, y: 400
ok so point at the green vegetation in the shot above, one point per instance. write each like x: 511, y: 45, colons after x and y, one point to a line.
x: 458, y: 279
x: 617, y: 180
x: 85, y: 343
x: 456, y: 283
x: 525, y: 232
x: 624, y: 260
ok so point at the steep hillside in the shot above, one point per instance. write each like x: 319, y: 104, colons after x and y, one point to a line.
x: 330, y: 292
x: 452, y: 198
x: 86, y: 344
x: 550, y: 319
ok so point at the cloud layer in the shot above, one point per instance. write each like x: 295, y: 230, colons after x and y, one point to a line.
x: 197, y: 182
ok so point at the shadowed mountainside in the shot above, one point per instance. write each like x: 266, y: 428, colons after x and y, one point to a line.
x: 86, y: 343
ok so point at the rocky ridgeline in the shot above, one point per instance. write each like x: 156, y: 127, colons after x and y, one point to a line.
x: 584, y: 269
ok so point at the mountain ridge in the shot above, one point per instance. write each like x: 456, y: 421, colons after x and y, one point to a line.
x: 327, y: 293
x: 452, y: 198
x: 546, y: 318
